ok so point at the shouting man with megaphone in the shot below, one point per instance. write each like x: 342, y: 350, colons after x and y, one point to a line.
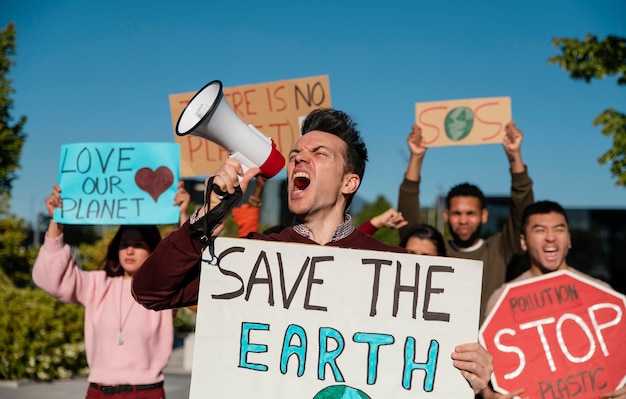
x: 324, y: 171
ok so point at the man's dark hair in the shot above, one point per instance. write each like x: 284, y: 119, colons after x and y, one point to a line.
x: 340, y: 124
x: 465, y: 190
x: 541, y: 208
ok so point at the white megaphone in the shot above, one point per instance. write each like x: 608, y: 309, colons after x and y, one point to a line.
x: 208, y: 115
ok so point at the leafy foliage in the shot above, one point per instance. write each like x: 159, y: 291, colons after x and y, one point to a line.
x: 15, y: 256
x: 184, y: 320
x: 594, y: 59
x: 380, y: 205
x: 41, y: 338
x: 91, y: 255
x: 614, y: 123
x: 12, y: 137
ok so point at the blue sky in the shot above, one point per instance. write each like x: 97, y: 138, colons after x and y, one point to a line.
x: 102, y: 71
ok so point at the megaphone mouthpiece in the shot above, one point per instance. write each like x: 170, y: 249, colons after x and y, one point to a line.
x: 202, y: 110
x: 208, y: 115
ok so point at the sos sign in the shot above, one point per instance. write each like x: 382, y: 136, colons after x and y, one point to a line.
x: 558, y: 336
x: 463, y: 122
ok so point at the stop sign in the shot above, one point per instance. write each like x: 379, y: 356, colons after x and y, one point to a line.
x: 557, y: 336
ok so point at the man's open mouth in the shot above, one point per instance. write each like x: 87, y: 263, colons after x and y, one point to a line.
x: 301, y: 181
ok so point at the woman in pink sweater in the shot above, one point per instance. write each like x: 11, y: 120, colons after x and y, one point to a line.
x: 127, y: 345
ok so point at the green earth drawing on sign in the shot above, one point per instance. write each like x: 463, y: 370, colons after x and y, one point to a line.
x: 458, y: 123
x: 341, y: 392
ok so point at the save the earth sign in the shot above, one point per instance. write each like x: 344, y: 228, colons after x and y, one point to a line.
x: 118, y: 183
x: 286, y: 320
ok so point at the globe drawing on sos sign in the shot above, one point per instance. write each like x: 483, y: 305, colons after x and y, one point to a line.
x: 458, y: 123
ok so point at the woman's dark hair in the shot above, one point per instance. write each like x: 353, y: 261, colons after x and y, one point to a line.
x: 150, y: 234
x: 426, y: 232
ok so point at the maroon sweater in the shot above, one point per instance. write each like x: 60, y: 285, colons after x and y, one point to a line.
x: 170, y: 277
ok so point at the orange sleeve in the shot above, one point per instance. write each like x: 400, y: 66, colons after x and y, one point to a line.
x: 247, y: 219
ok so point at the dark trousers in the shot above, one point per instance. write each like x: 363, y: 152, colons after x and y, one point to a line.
x: 153, y: 391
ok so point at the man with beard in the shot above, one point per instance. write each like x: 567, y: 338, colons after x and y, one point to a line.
x: 465, y: 212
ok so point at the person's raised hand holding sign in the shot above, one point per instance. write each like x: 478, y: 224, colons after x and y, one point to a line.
x: 418, y: 151
x: 54, y: 201
x: 512, y: 144
x: 182, y: 199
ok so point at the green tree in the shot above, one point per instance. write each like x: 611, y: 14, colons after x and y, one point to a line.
x: 12, y: 137
x: 15, y: 258
x: 380, y: 205
x: 594, y: 59
x: 40, y: 337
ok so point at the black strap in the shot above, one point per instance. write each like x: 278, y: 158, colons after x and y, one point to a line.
x: 203, y: 228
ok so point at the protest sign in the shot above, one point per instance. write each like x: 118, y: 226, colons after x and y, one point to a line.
x: 277, y: 109
x: 557, y: 336
x: 463, y: 122
x: 282, y: 320
x: 118, y: 183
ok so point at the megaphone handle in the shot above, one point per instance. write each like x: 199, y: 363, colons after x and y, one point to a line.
x: 203, y: 227
x: 244, y: 161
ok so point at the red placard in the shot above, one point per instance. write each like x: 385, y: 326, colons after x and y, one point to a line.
x: 558, y: 336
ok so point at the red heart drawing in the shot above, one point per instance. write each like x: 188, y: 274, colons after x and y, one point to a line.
x: 154, y: 183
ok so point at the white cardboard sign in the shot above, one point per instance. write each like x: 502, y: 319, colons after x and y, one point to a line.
x: 286, y: 320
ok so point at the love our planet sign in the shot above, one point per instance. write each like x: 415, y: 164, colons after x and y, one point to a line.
x: 118, y: 183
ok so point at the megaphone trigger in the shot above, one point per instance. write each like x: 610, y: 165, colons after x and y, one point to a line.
x: 245, y: 162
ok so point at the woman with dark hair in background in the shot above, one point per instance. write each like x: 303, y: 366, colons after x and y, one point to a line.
x: 424, y: 239
x: 127, y: 345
